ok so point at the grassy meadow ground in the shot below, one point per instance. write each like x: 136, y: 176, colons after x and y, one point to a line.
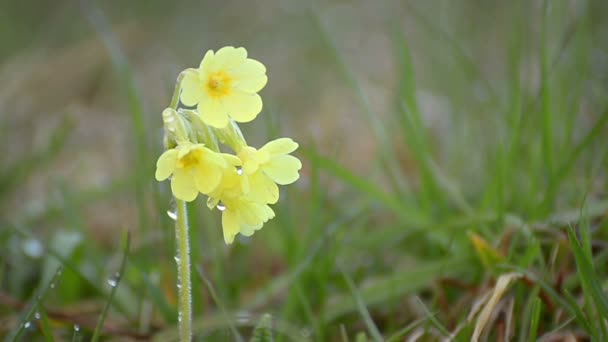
x: 454, y: 184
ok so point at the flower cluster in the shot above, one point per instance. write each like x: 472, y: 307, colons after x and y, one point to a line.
x: 224, y: 91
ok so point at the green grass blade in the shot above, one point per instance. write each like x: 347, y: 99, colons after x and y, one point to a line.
x: 400, y: 334
x: 397, y: 285
x: 536, y: 307
x: 372, y: 190
x: 113, y: 282
x: 367, y: 318
x: 219, y: 303
x: 588, y: 277
x: 263, y: 331
x: 36, y: 301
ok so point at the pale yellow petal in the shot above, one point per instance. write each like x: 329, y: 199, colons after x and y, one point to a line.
x: 207, y: 61
x: 207, y: 178
x: 192, y: 88
x: 249, y: 213
x: 165, y: 165
x: 212, y: 112
x: 230, y: 225
x: 280, y: 146
x: 231, y: 159
x: 248, y: 230
x: 183, y: 186
x: 250, y: 76
x: 283, y: 169
x: 230, y: 57
x: 263, y: 189
x: 243, y: 107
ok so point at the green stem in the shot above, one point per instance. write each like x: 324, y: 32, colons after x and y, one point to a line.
x: 184, y: 282
x: 183, y: 272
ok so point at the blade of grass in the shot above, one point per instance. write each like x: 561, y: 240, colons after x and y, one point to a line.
x: 199, y: 271
x: 367, y: 318
x: 113, y: 282
x: 36, y: 301
x: 98, y: 22
x: 386, y: 151
x: 169, y: 313
x: 400, y: 334
x: 45, y: 325
x: 535, y: 313
x: 397, y: 285
x: 409, y: 215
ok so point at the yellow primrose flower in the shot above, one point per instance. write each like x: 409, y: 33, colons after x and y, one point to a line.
x: 269, y: 166
x: 225, y: 85
x: 242, y: 215
x: 241, y: 212
x: 194, y: 167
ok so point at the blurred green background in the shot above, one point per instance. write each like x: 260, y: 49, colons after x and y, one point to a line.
x: 444, y: 144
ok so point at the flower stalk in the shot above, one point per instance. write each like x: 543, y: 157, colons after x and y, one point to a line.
x: 184, y: 285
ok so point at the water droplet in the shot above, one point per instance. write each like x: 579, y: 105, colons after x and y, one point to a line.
x: 177, y: 259
x: 37, y: 315
x: 220, y: 206
x: 32, y: 248
x: 76, y: 327
x: 27, y: 325
x: 243, y: 317
x: 179, y: 286
x: 113, y: 281
x: 239, y: 171
x: 172, y: 215
x: 52, y: 285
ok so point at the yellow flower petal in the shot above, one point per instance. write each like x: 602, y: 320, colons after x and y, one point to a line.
x: 250, y: 76
x: 249, y: 230
x: 229, y: 57
x: 207, y: 178
x: 166, y: 164
x: 207, y: 61
x: 182, y: 186
x: 280, y: 146
x: 212, y: 112
x: 230, y: 225
x: 263, y: 189
x: 283, y: 169
x: 243, y: 107
x: 191, y: 89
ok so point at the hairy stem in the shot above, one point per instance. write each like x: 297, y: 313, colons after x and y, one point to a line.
x: 183, y: 272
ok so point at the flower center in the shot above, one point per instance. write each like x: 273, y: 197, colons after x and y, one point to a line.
x: 191, y: 159
x: 219, y: 84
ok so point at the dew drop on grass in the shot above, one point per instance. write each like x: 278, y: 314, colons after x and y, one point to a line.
x: 113, y: 281
x: 27, y: 325
x: 177, y: 259
x: 243, y: 317
x: 76, y: 327
x: 52, y: 285
x: 37, y: 315
x: 172, y: 214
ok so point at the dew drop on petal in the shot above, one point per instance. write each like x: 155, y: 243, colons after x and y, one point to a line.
x: 220, y: 206
x: 239, y: 171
